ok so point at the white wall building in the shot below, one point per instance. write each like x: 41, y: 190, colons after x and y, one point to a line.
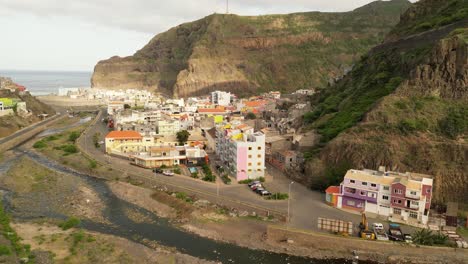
x: 221, y: 98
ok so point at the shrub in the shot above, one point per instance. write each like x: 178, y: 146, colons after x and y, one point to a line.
x: 70, y: 223
x: 455, y: 123
x: 92, y: 164
x: 279, y: 196
x: 250, y: 116
x: 226, y: 179
x: 51, y: 138
x: 209, y: 178
x: 73, y: 136
x: 429, y: 238
x: 40, y: 144
x: 69, y: 148
x: 4, y: 250
x: 194, y: 175
x: 261, y: 179
x: 177, y: 171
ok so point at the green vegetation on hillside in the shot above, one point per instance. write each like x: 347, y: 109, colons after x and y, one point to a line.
x: 270, y: 52
x: 430, y: 14
x: 375, y: 76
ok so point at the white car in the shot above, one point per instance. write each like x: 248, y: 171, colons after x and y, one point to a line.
x: 168, y: 173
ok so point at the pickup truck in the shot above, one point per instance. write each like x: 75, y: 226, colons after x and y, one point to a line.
x: 394, y: 233
x: 379, y: 232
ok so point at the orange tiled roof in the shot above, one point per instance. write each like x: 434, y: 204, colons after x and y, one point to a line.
x: 333, y: 189
x: 130, y: 134
x: 255, y: 103
x: 210, y: 110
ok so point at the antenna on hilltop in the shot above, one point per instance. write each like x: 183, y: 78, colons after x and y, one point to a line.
x: 227, y: 6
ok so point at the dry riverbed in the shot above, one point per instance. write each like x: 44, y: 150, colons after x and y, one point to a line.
x: 79, y: 246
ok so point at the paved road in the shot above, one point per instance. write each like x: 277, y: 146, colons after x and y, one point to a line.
x: 28, y: 129
x: 305, y: 205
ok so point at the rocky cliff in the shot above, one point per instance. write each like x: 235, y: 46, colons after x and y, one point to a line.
x: 405, y: 106
x: 252, y: 54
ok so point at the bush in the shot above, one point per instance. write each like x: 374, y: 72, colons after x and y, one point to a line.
x: 455, y: 123
x: 4, y: 250
x: 226, y: 179
x: 40, y: 144
x: 51, y: 138
x: 261, y: 179
x: 70, y: 223
x: 279, y: 196
x: 73, y: 136
x: 92, y: 164
x: 69, y: 148
x: 428, y: 238
x: 194, y: 175
x: 209, y: 178
x: 184, y: 196
x: 177, y: 171
x: 250, y: 116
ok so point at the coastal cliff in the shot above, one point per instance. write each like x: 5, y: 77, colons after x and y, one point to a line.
x: 248, y: 55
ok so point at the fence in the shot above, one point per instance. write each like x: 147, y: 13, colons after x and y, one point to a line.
x: 335, y: 226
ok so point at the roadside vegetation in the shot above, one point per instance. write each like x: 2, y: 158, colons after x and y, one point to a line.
x: 278, y: 196
x: 261, y: 179
x: 209, y: 176
x: 69, y: 223
x: 429, y: 238
x: 14, y: 249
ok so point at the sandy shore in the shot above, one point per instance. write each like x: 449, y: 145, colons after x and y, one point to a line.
x: 62, y: 101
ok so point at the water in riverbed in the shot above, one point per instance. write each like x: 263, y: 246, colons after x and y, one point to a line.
x: 160, y: 230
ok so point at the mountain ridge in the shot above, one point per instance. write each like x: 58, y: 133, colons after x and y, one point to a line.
x: 251, y: 54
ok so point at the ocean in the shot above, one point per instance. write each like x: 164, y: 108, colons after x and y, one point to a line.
x: 48, y: 82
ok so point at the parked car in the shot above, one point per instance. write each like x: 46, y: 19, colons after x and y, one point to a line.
x: 379, y: 231
x: 259, y: 190
x: 394, y: 233
x: 168, y: 173
x: 265, y: 193
x: 255, y: 187
x: 408, y: 238
x: 157, y: 170
x: 253, y: 183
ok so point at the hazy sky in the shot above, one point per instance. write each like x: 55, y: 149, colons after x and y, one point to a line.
x: 75, y: 34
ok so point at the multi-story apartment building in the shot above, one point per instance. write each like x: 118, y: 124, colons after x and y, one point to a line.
x: 221, y: 98
x: 168, y: 127
x: 400, y: 196
x: 241, y: 150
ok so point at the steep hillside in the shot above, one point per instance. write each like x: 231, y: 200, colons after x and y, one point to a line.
x: 252, y: 54
x: 405, y: 106
x: 11, y: 123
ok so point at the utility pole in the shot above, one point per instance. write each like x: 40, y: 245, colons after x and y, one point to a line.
x: 289, y: 198
x: 227, y: 6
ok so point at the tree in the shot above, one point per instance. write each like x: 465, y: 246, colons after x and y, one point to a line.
x: 250, y: 115
x: 127, y: 106
x: 182, y: 137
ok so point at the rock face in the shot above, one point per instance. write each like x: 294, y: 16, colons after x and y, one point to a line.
x: 445, y: 75
x: 421, y: 124
x: 251, y: 54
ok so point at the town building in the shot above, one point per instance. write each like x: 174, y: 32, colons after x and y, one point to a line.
x: 221, y: 98
x: 170, y: 156
x: 402, y: 197
x: 241, y: 150
x: 115, y: 107
x: 168, y: 127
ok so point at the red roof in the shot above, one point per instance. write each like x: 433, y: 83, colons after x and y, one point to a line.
x: 333, y: 189
x: 255, y: 103
x: 211, y: 110
x: 124, y: 135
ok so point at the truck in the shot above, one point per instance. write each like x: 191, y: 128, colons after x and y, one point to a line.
x: 364, y: 231
x: 379, y: 232
x: 394, y: 232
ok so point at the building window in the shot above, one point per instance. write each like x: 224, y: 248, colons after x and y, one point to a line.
x: 250, y: 163
x: 415, y: 203
x: 413, y: 193
x: 250, y: 148
x: 428, y: 190
x: 259, y: 163
x: 352, y: 181
x: 259, y: 156
x: 259, y: 148
x: 385, y: 197
x: 386, y: 188
x: 362, y: 193
x: 413, y: 215
x: 364, y: 183
x: 373, y: 185
x: 250, y: 156
x: 397, y: 211
x: 351, y: 203
x: 399, y: 201
x: 250, y: 170
x: 398, y: 191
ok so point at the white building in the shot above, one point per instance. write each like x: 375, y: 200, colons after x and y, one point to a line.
x: 115, y: 107
x: 241, y: 150
x: 221, y: 98
x: 168, y: 127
